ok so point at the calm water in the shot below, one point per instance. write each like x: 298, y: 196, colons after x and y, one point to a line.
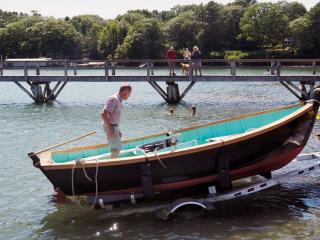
x: 28, y: 209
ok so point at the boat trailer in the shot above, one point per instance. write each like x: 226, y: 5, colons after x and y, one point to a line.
x: 168, y: 208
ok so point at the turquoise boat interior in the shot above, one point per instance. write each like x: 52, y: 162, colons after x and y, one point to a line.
x: 186, y: 138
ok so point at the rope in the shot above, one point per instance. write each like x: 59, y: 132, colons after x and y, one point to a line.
x: 313, y: 100
x: 155, y: 153
x: 82, y: 164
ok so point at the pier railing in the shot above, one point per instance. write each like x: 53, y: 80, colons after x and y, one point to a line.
x: 157, y: 70
x: 39, y: 74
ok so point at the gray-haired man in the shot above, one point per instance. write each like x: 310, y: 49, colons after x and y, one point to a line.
x: 111, y: 115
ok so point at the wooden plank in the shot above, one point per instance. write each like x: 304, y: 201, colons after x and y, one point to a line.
x: 26, y: 91
x: 159, y: 90
x: 206, y: 78
x: 290, y: 90
x: 187, y: 90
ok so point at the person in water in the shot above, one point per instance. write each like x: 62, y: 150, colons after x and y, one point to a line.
x: 171, y: 56
x: 111, y: 115
x: 196, y: 57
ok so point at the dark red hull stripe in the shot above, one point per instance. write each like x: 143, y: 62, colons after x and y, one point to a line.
x: 268, y: 164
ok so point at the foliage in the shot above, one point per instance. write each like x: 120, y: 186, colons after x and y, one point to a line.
x: 231, y: 31
x: 235, y: 55
x: 314, y: 29
x: 298, y: 29
x: 89, y: 26
x: 293, y: 10
x: 37, y: 36
x: 144, y: 40
x: 109, y: 38
x: 265, y: 23
x: 182, y: 30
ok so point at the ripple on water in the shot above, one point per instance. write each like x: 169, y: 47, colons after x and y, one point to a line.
x: 28, y: 208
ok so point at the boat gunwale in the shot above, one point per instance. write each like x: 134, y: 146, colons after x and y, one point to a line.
x: 224, y: 140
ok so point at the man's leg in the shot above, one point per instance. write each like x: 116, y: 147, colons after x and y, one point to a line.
x: 115, y: 142
x: 115, y: 145
x: 114, y: 153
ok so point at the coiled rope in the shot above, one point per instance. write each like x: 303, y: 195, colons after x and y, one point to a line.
x: 81, y: 162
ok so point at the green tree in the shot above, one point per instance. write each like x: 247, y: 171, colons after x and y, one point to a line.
x: 213, y: 27
x: 299, y: 30
x: 10, y: 17
x: 265, y: 23
x: 314, y: 30
x: 232, y: 15
x: 144, y: 40
x: 182, y: 30
x: 109, y: 38
x: 89, y: 26
x: 36, y: 36
x: 293, y: 10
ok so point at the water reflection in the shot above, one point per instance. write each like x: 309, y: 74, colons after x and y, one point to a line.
x: 258, y: 215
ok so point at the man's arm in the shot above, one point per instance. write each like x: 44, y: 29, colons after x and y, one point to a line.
x: 107, y: 122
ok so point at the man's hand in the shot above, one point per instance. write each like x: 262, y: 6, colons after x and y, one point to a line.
x: 111, y: 133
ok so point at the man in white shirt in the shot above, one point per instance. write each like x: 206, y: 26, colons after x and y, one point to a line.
x: 111, y: 115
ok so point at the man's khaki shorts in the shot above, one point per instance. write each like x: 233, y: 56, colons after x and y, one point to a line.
x: 115, y: 142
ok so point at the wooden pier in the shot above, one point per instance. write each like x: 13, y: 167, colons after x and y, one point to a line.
x: 40, y: 76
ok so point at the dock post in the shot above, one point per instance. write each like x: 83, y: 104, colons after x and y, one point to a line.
x: 106, y: 70
x: 233, y: 65
x: 173, y: 93
x: 65, y: 70
x: 314, y: 67
x: 278, y: 70
x: 148, y: 71
x: 75, y: 69
x: 273, y: 67
x: 38, y: 69
x: 1, y: 68
x: 190, y: 70
x: 25, y: 71
x: 113, y: 64
x: 152, y: 69
x: 311, y: 90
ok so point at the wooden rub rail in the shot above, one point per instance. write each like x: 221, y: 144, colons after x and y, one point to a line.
x: 40, y: 74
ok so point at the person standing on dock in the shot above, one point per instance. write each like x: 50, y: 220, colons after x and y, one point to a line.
x: 186, y: 55
x: 196, y: 57
x: 171, y: 56
x: 111, y: 115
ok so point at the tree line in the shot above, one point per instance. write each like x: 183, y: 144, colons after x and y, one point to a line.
x: 241, y: 29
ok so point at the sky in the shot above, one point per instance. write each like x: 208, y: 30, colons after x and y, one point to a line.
x: 105, y: 8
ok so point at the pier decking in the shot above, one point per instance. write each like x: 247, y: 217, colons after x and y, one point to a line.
x: 39, y: 76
